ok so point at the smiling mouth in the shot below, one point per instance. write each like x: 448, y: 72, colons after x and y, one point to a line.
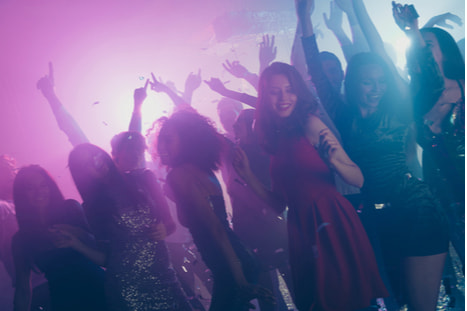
x: 283, y: 107
x: 374, y: 97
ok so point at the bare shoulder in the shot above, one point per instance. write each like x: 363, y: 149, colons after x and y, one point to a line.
x: 315, y: 122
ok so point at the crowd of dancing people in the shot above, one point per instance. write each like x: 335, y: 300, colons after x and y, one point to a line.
x: 330, y: 204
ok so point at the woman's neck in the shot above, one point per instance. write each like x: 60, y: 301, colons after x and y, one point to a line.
x: 367, y: 111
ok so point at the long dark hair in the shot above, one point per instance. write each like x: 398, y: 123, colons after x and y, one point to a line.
x: 390, y: 105
x: 200, y: 143
x: 27, y: 216
x: 88, y: 186
x: 32, y: 235
x: 453, y: 62
x: 267, y: 123
x: 98, y: 203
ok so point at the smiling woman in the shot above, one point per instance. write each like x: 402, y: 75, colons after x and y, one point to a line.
x: 281, y: 96
x: 331, y: 259
x: 412, y: 227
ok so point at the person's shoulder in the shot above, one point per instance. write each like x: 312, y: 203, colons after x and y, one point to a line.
x: 72, y: 204
x: 315, y: 123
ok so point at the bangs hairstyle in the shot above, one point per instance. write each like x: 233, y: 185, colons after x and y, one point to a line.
x: 391, y: 97
x: 453, y: 62
x: 200, y: 144
x: 88, y: 186
x: 27, y: 216
x: 266, y: 119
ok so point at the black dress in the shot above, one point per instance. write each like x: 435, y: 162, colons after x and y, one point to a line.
x: 75, y: 282
x: 444, y: 152
x: 224, y: 294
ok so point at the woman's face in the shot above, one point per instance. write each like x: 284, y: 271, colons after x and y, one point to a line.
x: 168, y: 145
x: 372, y: 86
x: 281, y: 96
x: 37, y: 191
x: 432, y: 42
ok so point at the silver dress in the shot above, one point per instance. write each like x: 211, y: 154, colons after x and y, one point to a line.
x: 140, y: 276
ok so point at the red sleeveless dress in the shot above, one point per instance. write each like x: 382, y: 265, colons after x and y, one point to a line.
x: 332, y: 261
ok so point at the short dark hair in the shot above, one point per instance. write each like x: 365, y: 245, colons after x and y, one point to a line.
x: 128, y: 140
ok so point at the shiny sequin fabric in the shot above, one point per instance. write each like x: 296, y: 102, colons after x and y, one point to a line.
x: 140, y: 276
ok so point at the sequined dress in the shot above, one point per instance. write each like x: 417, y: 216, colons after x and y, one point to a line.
x: 139, y: 273
x: 444, y: 152
x: 332, y: 261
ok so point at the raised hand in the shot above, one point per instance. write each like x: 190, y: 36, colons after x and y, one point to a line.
x: 344, y: 5
x: 193, y: 81
x: 334, y: 22
x: 304, y: 7
x: 158, y: 86
x: 216, y: 85
x: 405, y: 16
x: 46, y: 83
x: 140, y: 94
x: 442, y: 19
x: 267, y: 51
x: 235, y: 69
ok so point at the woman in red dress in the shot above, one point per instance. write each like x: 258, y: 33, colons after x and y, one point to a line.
x: 332, y: 261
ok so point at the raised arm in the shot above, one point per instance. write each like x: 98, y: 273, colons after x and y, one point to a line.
x: 427, y: 82
x: 158, y: 86
x: 359, y: 43
x: 442, y: 19
x: 192, y: 82
x: 139, y: 96
x: 376, y: 44
x: 64, y: 120
x: 334, y: 23
x: 328, y: 94
x: 267, y: 52
x: 217, y: 86
x: 239, y: 71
